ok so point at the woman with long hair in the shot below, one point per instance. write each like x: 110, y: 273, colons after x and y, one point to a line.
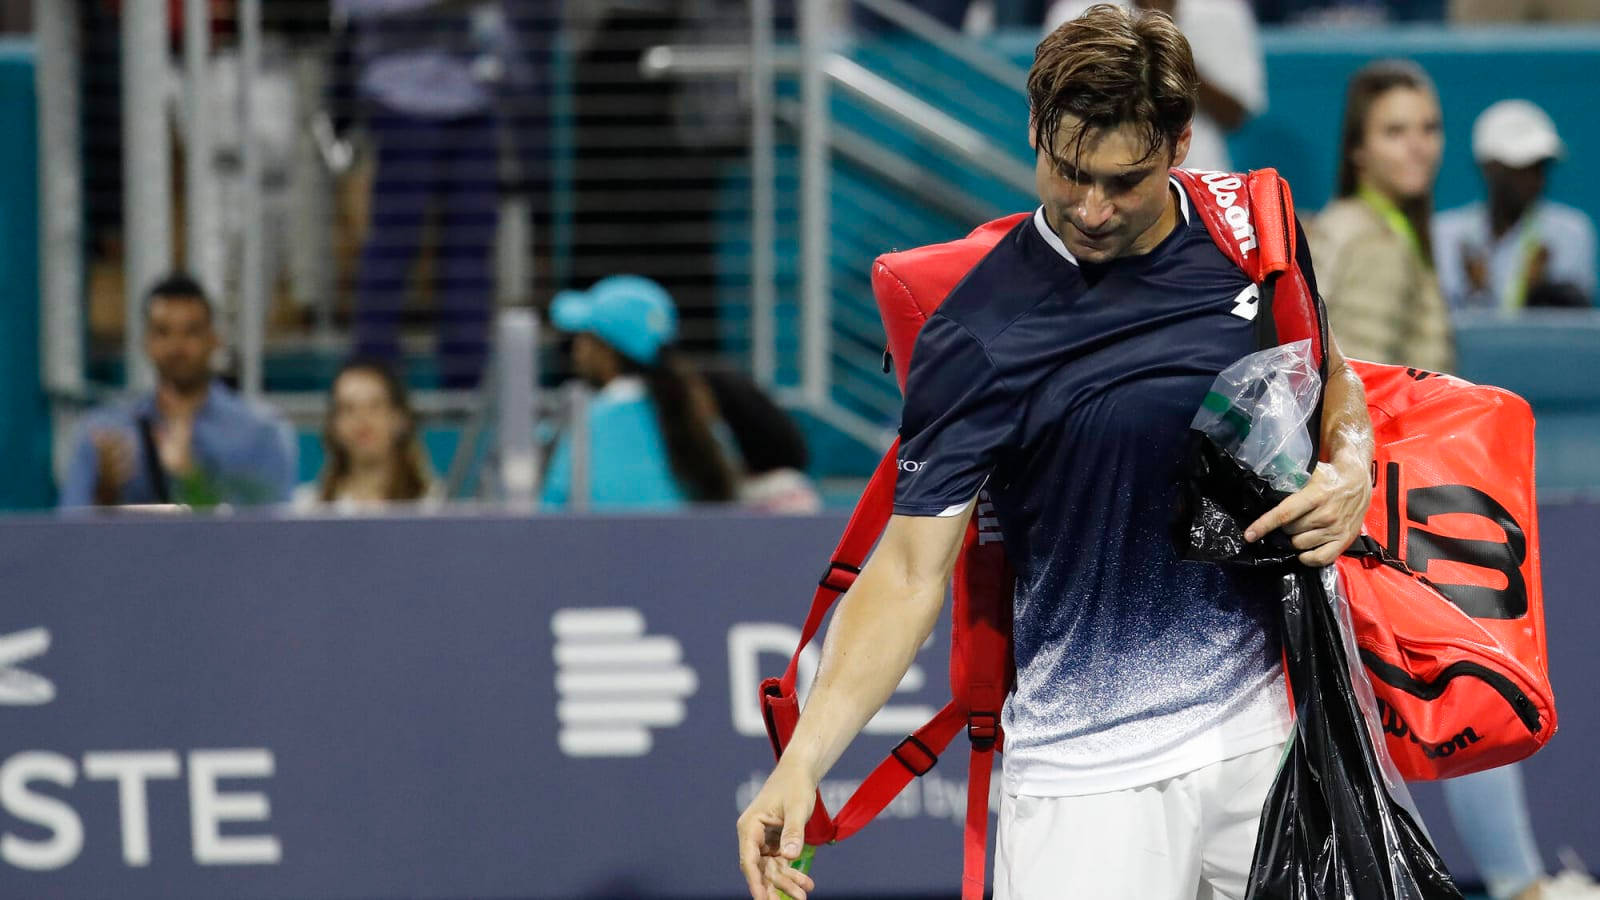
x: 372, y: 451
x: 649, y: 436
x: 1372, y: 246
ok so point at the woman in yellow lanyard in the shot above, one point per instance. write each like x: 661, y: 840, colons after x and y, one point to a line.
x: 1371, y: 245
x: 1373, y: 262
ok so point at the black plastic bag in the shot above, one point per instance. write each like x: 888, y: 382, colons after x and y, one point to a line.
x: 1336, y: 824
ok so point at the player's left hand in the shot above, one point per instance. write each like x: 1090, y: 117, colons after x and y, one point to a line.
x: 1324, y: 517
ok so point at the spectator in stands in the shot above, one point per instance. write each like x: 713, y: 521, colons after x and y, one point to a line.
x: 650, y: 429
x: 1227, y: 55
x: 771, y: 447
x: 190, y: 441
x: 426, y: 83
x: 374, y: 455
x: 1372, y: 243
x: 1515, y: 249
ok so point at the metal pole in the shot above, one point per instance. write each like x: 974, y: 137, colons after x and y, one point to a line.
x: 61, y: 251
x: 578, y: 421
x: 763, y: 295
x: 513, y: 252
x: 146, y: 172
x: 516, y: 350
x: 252, y: 279
x: 814, y: 202
x: 202, y: 251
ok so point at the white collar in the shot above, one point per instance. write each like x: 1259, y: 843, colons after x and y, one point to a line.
x: 1183, y: 199
x: 1054, y: 240
x: 622, y: 389
x: 1042, y: 225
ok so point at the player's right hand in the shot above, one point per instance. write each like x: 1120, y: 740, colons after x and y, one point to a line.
x: 772, y: 834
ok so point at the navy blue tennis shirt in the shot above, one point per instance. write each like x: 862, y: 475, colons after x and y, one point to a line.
x: 1065, y: 392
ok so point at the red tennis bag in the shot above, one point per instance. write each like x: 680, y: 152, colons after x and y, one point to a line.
x: 1443, y: 589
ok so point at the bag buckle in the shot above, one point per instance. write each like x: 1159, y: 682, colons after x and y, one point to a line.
x: 839, y: 576
x: 916, y: 756
x: 983, y: 729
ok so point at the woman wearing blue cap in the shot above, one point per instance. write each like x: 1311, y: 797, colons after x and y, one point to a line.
x: 650, y: 426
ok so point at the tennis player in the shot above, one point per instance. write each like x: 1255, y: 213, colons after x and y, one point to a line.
x: 1060, y: 376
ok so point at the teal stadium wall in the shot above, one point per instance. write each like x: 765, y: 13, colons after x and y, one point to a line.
x: 25, y: 480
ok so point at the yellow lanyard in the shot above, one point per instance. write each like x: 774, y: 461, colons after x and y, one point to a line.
x: 1515, y: 294
x: 1395, y: 219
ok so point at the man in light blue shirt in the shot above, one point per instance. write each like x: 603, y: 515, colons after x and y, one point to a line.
x: 191, y: 440
x: 1517, y: 249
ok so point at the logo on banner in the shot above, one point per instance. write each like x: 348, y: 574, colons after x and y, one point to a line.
x: 614, y: 683
x: 55, y: 834
x: 19, y: 687
x: 752, y: 643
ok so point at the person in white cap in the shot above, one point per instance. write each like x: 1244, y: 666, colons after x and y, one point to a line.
x: 1515, y: 249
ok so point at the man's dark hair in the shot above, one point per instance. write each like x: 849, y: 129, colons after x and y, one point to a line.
x: 1111, y: 67
x: 177, y: 286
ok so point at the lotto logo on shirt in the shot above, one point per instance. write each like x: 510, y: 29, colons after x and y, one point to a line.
x: 909, y: 466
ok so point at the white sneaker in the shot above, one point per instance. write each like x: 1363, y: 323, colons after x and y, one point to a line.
x: 1569, y: 884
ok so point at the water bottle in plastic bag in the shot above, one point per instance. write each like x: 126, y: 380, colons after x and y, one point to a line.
x: 1257, y: 409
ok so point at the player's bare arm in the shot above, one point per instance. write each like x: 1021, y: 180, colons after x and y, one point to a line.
x: 1325, y: 516
x: 880, y: 623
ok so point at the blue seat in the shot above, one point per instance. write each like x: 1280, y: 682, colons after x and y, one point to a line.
x: 1550, y: 358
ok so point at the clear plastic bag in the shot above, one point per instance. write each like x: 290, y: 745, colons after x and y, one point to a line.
x: 1257, y: 409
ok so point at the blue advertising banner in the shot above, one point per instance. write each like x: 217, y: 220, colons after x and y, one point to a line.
x: 488, y: 707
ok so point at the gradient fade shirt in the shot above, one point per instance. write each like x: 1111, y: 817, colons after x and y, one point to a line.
x: 1068, y: 390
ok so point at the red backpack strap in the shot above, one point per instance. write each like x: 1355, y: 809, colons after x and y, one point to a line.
x: 913, y: 757
x: 1297, y: 312
x: 917, y: 753
x: 780, y: 706
x: 980, y: 673
x: 975, y: 843
x: 1251, y: 218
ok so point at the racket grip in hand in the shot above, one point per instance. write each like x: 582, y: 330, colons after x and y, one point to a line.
x: 803, y: 863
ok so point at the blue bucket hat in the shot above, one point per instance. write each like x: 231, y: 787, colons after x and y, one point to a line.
x: 630, y: 312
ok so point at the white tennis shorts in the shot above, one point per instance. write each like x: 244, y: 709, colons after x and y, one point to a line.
x: 1183, y: 838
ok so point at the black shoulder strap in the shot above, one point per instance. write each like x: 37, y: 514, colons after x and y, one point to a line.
x: 152, y: 461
